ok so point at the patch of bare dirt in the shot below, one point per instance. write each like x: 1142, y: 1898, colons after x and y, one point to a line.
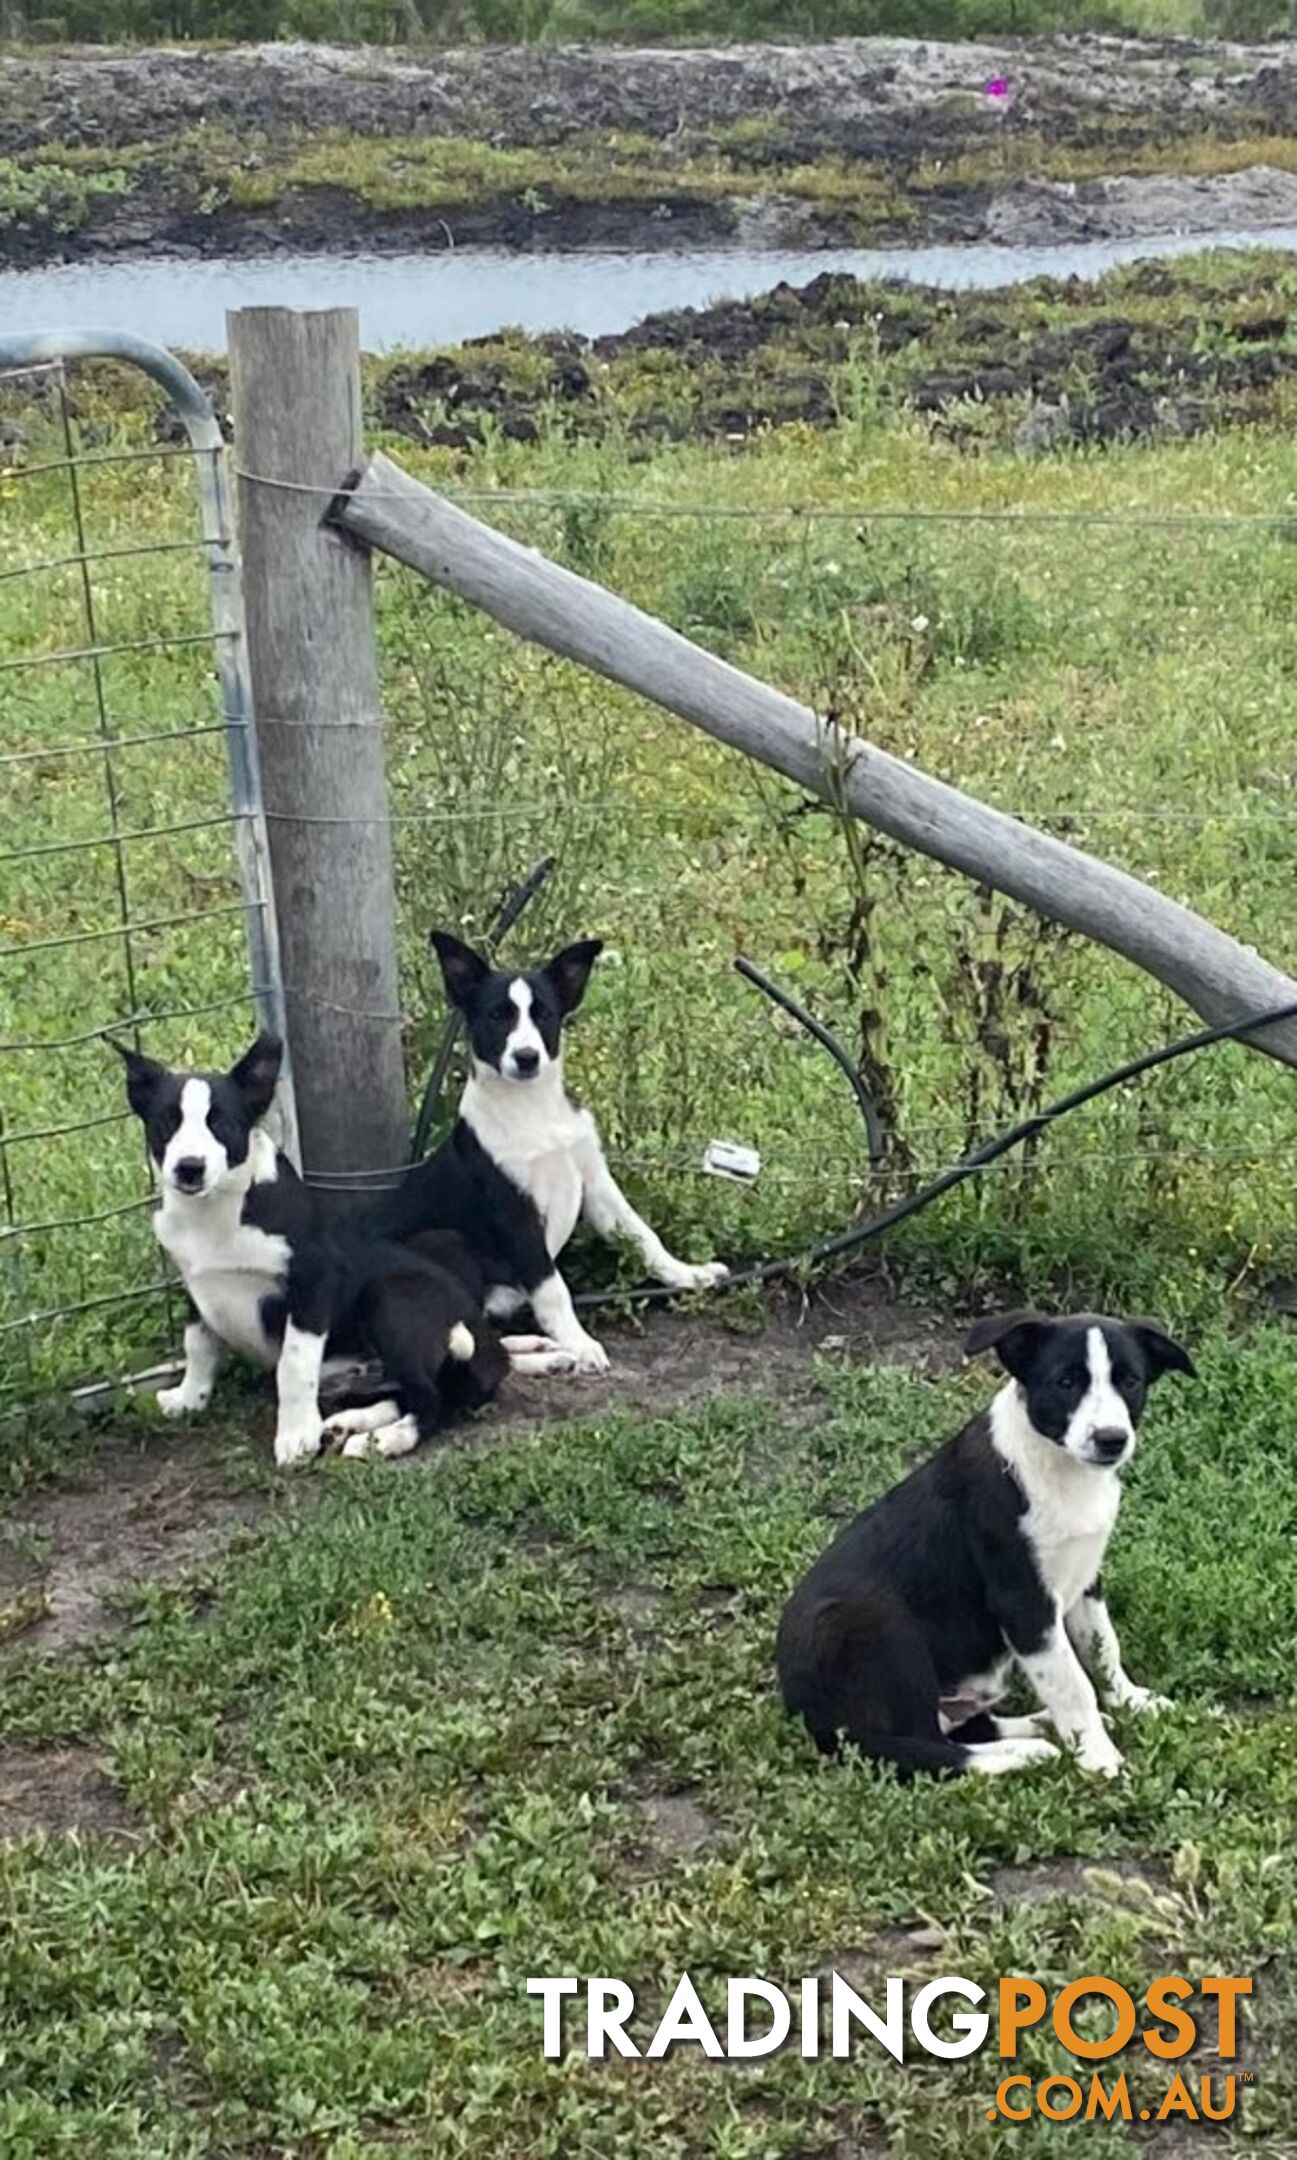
x: 671, y: 1358
x: 901, y: 108
x: 1043, y: 213
x: 677, y: 1824
x: 56, y: 1790
x: 547, y: 94
x: 1040, y: 1881
x: 638, y: 1607
x: 144, y: 1511
x: 902, y: 1952
x: 149, y: 1509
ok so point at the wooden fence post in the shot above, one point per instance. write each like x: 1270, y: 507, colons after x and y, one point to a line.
x: 295, y: 384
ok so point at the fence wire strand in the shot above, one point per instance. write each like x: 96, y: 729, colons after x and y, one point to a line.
x: 136, y: 928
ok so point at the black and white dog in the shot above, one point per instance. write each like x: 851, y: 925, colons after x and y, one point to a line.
x: 902, y: 1636
x: 267, y: 1276
x: 523, y: 1163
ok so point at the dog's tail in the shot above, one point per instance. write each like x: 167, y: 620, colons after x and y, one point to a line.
x: 427, y: 1331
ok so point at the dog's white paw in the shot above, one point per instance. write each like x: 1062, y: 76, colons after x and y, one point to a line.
x: 1100, y: 1756
x: 588, y: 1356
x: 399, y: 1438
x: 182, y: 1401
x: 543, y: 1363
x: 1027, y: 1727
x: 682, y: 1276
x: 362, y: 1418
x: 1144, y: 1700
x: 1000, y: 1758
x: 298, y: 1442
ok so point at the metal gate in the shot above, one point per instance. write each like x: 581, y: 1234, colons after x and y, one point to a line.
x: 135, y: 891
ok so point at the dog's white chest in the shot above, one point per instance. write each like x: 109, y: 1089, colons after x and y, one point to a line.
x: 228, y: 1267
x: 1068, y: 1525
x: 554, y: 1184
x: 538, y: 1139
x: 1071, y: 1506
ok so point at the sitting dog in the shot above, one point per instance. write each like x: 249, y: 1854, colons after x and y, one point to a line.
x: 522, y: 1162
x: 901, y: 1637
x: 266, y: 1276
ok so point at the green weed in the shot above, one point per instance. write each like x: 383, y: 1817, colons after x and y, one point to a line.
x: 419, y: 1743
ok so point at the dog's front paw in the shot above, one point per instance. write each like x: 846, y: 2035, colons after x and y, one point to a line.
x: 1031, y: 1749
x: 1100, y: 1755
x: 682, y: 1276
x: 398, y: 1438
x: 298, y: 1442
x: 1144, y: 1700
x: 182, y: 1400
x: 588, y: 1356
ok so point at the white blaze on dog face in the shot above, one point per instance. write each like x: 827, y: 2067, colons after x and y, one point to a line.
x: 525, y: 1052
x: 1100, y: 1429
x: 194, y: 1159
x: 515, y: 1021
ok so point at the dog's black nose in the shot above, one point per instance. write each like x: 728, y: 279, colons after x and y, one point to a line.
x: 526, y: 1062
x: 189, y: 1172
x: 1108, y: 1443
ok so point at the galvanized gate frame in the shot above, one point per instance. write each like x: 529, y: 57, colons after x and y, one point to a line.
x: 225, y: 579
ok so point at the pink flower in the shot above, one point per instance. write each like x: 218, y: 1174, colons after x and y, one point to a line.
x: 998, y: 89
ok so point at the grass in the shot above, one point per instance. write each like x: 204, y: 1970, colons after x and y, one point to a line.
x: 379, y: 22
x: 437, y: 1734
x: 416, y: 1738
x: 57, y: 195
x: 1129, y: 686
x: 398, y: 173
x: 867, y: 193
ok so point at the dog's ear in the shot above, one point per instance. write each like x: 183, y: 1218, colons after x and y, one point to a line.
x: 1162, y: 1353
x: 1015, y: 1338
x: 256, y: 1073
x: 569, y: 971
x: 144, y: 1076
x: 461, y: 968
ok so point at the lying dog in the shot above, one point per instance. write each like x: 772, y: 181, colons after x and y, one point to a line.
x: 266, y: 1276
x: 902, y: 1636
x: 522, y: 1162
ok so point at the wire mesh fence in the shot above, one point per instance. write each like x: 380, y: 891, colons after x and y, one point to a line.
x: 133, y: 902
x: 1122, y: 677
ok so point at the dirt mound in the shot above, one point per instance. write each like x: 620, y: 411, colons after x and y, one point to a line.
x: 546, y: 94
x: 859, y: 142
x: 1058, y: 363
x: 1045, y: 212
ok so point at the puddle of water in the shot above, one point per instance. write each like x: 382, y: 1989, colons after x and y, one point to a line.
x: 441, y: 299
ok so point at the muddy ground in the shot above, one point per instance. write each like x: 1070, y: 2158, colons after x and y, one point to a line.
x: 936, y: 158
x: 1153, y: 351
x: 148, y: 1505
x: 1158, y: 355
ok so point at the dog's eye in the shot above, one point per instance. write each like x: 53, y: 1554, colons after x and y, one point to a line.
x: 1124, y: 1382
